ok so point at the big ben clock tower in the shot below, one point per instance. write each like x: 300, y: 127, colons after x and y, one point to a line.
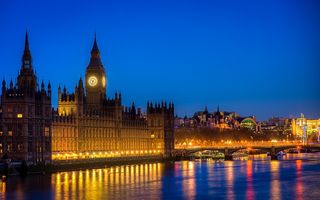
x: 95, y: 79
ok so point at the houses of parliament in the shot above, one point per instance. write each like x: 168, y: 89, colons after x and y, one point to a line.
x: 87, y: 124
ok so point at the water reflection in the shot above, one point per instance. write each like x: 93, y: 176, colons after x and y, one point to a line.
x: 188, y: 179
x: 252, y: 179
x: 250, y: 190
x: 230, y: 179
x: 123, y: 182
x: 2, y: 190
x: 299, y: 184
x: 275, y: 186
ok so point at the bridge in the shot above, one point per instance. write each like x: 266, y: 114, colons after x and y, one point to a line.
x: 229, y: 150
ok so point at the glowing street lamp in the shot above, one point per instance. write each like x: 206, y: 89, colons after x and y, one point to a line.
x: 318, y: 134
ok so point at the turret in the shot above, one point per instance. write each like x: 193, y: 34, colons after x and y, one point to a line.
x: 80, y: 97
x: 117, y: 99
x: 80, y: 85
x: 161, y: 117
x: 3, y: 86
x: 42, y: 86
x: 59, y: 93
x: 80, y: 91
x: 133, y: 110
x: 11, y: 84
x: 49, y: 89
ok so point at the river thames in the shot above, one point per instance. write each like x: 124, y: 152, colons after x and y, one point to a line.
x: 297, y: 176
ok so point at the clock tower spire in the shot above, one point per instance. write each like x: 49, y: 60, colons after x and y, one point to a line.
x: 95, y: 78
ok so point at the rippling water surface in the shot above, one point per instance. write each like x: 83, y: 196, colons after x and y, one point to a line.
x: 295, y: 177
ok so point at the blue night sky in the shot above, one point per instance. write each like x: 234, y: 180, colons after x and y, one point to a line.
x: 254, y: 57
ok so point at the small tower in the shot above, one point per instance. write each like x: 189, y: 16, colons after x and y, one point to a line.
x: 4, y: 86
x: 80, y: 97
x: 49, y: 89
x: 161, y: 125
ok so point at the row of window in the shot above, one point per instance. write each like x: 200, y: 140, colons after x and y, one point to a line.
x: 10, y: 148
x: 21, y: 109
x: 62, y: 145
x: 100, y: 133
x: 18, y: 131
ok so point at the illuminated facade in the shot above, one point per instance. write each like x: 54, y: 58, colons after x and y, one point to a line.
x: 86, y: 124
x: 249, y: 123
x: 309, y: 125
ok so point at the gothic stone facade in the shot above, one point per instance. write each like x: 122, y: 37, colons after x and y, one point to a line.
x: 25, y: 117
x: 86, y: 124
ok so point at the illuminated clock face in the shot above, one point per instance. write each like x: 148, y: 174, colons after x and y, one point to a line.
x: 103, y: 81
x: 92, y: 81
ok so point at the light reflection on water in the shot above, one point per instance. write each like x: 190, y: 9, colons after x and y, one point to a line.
x: 275, y: 185
x: 257, y: 178
x: 229, y: 179
x: 250, y: 190
x: 299, y: 184
x: 123, y: 182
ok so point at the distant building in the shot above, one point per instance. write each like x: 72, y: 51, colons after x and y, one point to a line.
x: 277, y: 124
x: 300, y: 124
x: 217, y: 119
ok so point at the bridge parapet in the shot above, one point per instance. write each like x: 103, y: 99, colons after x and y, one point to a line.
x: 229, y: 150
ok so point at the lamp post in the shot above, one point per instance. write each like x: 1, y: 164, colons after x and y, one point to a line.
x: 304, y: 137
x: 318, y: 134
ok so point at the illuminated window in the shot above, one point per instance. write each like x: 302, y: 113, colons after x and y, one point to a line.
x: 9, y: 147
x: 9, y: 133
x: 152, y: 135
x: 46, y: 131
x: 20, y: 147
x: 19, y: 115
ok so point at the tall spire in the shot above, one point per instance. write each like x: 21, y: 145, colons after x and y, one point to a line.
x: 26, y: 44
x: 95, y: 60
x: 26, y: 58
x: 95, y: 48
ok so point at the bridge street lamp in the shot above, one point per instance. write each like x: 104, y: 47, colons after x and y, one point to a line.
x: 304, y: 136
x: 318, y: 134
